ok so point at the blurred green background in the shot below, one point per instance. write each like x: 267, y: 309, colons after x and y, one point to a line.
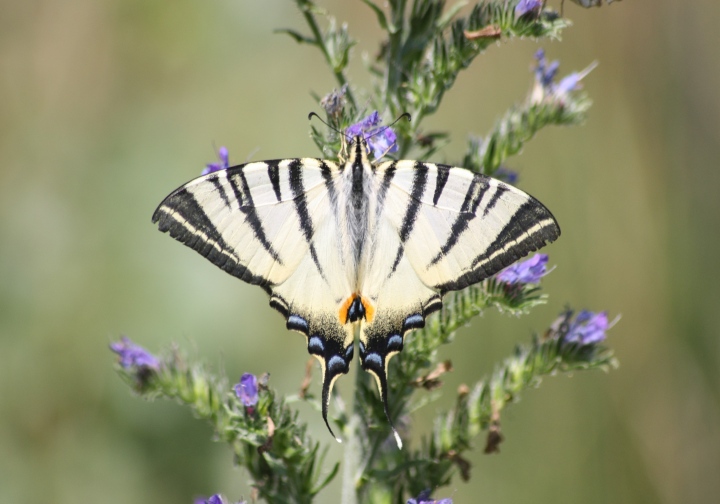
x: 107, y: 105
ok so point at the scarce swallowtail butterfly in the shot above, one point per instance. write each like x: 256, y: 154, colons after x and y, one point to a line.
x: 355, y: 243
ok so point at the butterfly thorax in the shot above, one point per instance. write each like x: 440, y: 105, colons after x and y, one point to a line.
x: 357, y: 189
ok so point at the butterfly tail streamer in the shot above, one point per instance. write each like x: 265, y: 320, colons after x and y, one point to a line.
x: 328, y: 382
x: 383, y: 395
x: 379, y: 371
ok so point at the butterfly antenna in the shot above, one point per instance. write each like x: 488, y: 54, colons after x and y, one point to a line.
x: 381, y: 130
x: 313, y: 114
x: 342, y: 135
x: 406, y: 115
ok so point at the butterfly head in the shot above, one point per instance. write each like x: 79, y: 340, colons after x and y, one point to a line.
x: 358, y: 144
x: 355, y: 149
x: 371, y: 136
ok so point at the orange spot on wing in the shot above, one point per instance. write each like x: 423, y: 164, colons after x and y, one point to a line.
x: 369, y: 309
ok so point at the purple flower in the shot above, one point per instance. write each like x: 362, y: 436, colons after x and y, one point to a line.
x: 365, y: 125
x: 528, y: 271
x: 527, y: 6
x: 247, y: 390
x: 588, y: 328
x: 381, y: 139
x: 214, y: 499
x: 545, y: 85
x: 224, y: 163
x: 506, y: 175
x: 334, y: 102
x: 567, y: 84
x: 544, y: 73
x: 132, y: 355
x: 424, y: 498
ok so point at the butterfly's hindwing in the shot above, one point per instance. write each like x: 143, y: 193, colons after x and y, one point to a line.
x: 401, y: 301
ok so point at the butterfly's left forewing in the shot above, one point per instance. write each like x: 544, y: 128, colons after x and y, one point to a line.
x: 245, y: 219
x: 274, y: 224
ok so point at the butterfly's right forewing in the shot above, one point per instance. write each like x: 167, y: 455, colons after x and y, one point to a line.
x: 466, y: 226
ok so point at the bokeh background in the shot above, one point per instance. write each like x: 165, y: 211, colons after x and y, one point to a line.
x: 107, y: 105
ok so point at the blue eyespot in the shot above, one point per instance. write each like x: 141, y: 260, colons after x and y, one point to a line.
x: 316, y: 345
x: 415, y: 321
x: 395, y: 343
x: 297, y: 323
x: 336, y: 364
x: 374, y: 359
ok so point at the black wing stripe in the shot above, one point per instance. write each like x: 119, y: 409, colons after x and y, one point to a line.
x: 495, y: 197
x: 236, y: 191
x: 298, y: 188
x: 251, y: 216
x: 274, y: 176
x: 186, y: 221
x: 248, y: 199
x: 384, y: 186
x: 418, y: 188
x: 443, y: 172
x: 473, y: 197
x: 529, y: 229
x: 220, y: 190
x: 329, y: 183
x: 398, y: 256
x: 517, y: 231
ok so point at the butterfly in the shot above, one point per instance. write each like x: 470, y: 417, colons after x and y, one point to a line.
x: 355, y: 243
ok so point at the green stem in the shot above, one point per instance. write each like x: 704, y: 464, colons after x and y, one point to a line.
x: 339, y: 76
x: 351, y: 460
x: 393, y: 56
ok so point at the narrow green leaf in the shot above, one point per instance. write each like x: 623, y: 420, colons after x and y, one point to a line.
x: 446, y: 18
x: 299, y: 37
x: 327, y: 480
x: 382, y: 19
